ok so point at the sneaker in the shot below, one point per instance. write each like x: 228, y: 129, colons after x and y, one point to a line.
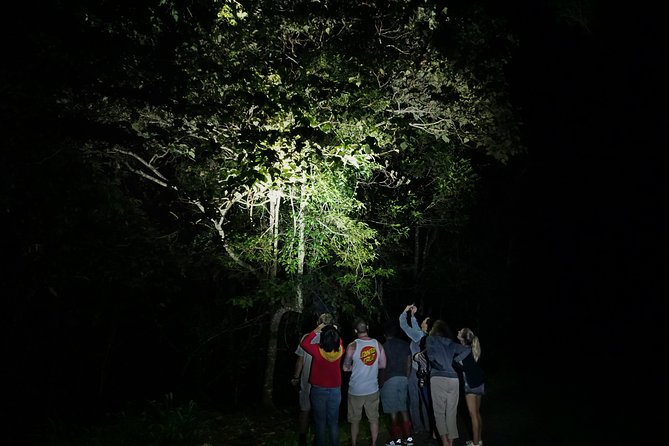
x: 471, y: 443
x: 408, y: 441
x: 397, y: 442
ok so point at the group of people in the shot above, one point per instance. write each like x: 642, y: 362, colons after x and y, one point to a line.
x: 416, y: 383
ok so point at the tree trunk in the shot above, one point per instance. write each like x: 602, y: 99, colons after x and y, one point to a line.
x: 268, y: 387
x: 301, y: 246
x: 274, y: 208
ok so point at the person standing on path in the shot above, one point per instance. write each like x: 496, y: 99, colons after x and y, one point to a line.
x: 394, y: 381
x: 474, y: 381
x: 444, y: 381
x: 420, y: 414
x: 301, y: 377
x: 325, y: 380
x: 364, y: 357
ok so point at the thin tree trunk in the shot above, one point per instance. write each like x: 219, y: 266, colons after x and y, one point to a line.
x: 274, y: 209
x: 268, y: 388
x: 416, y: 262
x: 301, y: 246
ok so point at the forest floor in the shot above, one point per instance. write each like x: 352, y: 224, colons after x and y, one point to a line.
x: 518, y: 409
x: 511, y: 417
x: 278, y: 428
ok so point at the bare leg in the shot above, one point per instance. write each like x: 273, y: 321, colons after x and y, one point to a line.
x: 474, y: 408
x: 407, y: 427
x: 355, y: 428
x: 303, y: 421
x: 374, y: 430
x: 303, y: 426
x: 395, y: 429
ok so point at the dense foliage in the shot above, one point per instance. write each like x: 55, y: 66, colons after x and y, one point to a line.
x: 220, y: 162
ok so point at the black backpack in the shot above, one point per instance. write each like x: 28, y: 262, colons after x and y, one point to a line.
x: 423, y: 372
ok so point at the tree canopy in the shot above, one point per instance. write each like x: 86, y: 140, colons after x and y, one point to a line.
x: 291, y: 152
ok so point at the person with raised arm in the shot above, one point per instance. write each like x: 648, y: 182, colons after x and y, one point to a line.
x: 420, y: 412
x: 325, y: 380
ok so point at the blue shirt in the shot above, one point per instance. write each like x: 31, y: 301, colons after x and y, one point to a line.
x: 414, y: 332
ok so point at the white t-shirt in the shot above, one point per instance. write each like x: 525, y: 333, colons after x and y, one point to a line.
x: 365, y: 368
x: 306, y: 369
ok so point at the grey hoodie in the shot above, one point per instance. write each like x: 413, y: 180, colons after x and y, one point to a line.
x: 441, y: 352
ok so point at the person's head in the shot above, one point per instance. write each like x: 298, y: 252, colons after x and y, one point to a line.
x: 440, y: 328
x: 330, y: 338
x: 325, y: 318
x: 426, y: 325
x: 467, y: 337
x: 390, y: 329
x: 360, y: 327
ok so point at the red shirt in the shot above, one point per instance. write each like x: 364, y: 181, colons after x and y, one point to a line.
x: 325, y: 370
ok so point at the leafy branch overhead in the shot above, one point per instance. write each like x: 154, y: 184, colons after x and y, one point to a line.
x: 304, y: 133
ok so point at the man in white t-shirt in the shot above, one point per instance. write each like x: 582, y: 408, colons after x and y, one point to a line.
x: 301, y: 377
x: 364, y: 357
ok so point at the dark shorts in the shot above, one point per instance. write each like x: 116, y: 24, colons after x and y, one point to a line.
x: 394, y: 395
x: 479, y: 390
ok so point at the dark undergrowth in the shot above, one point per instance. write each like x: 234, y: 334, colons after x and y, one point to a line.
x: 512, y: 415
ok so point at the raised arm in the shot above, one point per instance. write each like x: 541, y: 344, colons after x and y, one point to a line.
x: 414, y: 332
x: 306, y: 344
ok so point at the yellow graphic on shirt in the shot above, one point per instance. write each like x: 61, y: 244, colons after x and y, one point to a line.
x: 331, y: 356
x: 368, y: 355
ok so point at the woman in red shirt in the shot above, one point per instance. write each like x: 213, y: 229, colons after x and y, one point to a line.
x: 325, y: 380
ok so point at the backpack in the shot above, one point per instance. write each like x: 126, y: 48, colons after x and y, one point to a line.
x: 423, y: 372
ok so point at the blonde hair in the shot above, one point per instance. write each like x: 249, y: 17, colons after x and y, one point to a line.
x: 470, y: 339
x: 325, y: 318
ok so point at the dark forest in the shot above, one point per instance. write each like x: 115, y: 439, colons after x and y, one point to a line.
x: 187, y: 185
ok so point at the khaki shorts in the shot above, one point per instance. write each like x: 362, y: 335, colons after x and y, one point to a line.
x: 370, y: 404
x: 305, y: 401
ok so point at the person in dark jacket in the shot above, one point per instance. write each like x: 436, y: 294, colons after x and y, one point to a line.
x: 442, y: 350
x: 474, y: 381
x: 395, y: 386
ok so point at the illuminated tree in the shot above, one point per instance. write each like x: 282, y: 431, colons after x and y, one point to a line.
x: 303, y: 133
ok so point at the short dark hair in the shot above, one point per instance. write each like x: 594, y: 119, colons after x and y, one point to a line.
x: 360, y: 326
x: 391, y: 328
x: 330, y: 338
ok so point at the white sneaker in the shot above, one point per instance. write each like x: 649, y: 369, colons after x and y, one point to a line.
x: 471, y: 443
x: 397, y: 442
x: 408, y: 441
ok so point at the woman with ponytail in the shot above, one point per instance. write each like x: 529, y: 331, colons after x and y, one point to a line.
x: 474, y: 382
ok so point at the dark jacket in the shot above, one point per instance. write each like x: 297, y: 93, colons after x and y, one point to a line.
x: 441, y: 352
x: 472, y: 371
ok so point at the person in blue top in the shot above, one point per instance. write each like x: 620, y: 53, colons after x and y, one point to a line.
x: 442, y: 350
x: 420, y: 414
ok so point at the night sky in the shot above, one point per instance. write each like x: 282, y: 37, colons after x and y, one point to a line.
x: 588, y: 210
x: 594, y: 209
x: 596, y: 183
